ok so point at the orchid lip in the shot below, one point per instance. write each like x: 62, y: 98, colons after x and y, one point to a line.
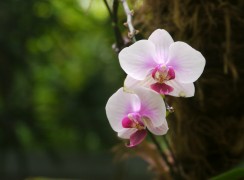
x: 137, y: 137
x: 162, y: 88
x: 133, y: 120
x: 163, y: 73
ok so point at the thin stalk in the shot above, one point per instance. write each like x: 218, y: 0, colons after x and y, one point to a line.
x: 172, y: 153
x: 114, y: 18
x: 163, y: 155
x: 169, y: 147
x: 108, y: 8
x: 129, y: 13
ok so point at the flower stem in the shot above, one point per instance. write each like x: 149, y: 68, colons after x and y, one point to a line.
x: 163, y: 155
x: 113, y: 13
x: 173, y: 155
x: 129, y: 14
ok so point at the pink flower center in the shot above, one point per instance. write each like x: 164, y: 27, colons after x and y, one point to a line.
x: 133, y: 120
x: 163, y: 73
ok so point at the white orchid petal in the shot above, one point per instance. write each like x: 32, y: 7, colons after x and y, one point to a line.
x: 119, y: 105
x: 152, y: 105
x: 162, y: 41
x: 130, y: 83
x: 181, y: 89
x: 138, y: 59
x: 187, y: 62
x: 126, y: 133
x: 159, y: 130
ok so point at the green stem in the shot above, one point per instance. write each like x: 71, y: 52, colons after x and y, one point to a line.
x: 172, y: 153
x: 114, y: 18
x: 163, y: 155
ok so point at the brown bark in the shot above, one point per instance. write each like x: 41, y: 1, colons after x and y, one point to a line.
x: 207, y: 130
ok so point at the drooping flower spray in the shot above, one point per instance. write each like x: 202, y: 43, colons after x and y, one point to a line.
x: 155, y: 67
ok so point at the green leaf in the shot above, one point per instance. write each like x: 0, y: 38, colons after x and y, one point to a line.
x: 234, y: 174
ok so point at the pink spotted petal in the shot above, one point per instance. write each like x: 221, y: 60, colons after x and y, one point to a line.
x: 152, y: 105
x: 162, y: 41
x: 159, y: 130
x: 137, y: 138
x: 138, y: 59
x: 119, y: 105
x: 187, y: 62
x: 162, y: 88
x: 181, y: 89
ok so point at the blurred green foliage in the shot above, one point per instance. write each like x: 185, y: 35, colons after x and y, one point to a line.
x: 57, y: 70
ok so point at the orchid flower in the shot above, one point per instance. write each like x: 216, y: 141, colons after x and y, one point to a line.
x: 130, y: 115
x: 165, y: 66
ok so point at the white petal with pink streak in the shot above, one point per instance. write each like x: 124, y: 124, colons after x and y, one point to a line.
x: 119, y: 105
x: 159, y: 130
x: 187, y: 62
x: 138, y: 59
x: 162, y: 41
x: 181, y: 89
x: 152, y: 105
